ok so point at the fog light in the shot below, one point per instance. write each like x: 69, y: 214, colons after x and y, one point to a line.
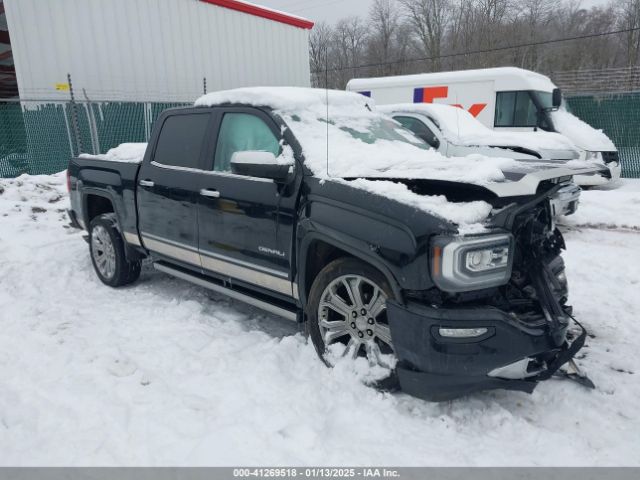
x: 462, y: 332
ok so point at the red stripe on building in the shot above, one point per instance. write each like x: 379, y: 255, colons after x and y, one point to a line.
x: 262, y: 12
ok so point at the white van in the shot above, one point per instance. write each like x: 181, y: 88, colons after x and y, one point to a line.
x: 505, y: 98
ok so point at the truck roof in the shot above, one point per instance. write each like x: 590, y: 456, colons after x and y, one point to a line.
x: 506, y: 78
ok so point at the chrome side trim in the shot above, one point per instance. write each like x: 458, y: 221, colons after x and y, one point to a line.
x: 249, y: 275
x: 210, y: 172
x: 224, y: 258
x: 222, y: 265
x: 132, y: 238
x: 289, y: 315
x: 178, y: 252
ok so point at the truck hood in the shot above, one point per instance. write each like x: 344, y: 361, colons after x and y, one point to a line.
x: 582, y: 134
x: 523, y: 179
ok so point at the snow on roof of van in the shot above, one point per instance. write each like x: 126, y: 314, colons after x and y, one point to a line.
x: 505, y: 78
x: 461, y: 128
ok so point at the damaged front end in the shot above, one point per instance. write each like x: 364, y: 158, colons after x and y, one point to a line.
x: 510, y: 332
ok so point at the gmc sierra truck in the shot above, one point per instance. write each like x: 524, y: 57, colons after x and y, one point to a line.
x: 230, y: 196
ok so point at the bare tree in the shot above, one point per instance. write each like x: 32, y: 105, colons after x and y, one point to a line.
x: 319, y: 41
x: 461, y: 34
x: 383, y: 23
x: 428, y: 21
x: 629, y: 18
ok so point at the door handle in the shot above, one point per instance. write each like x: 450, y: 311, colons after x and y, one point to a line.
x: 146, y: 183
x: 206, y: 192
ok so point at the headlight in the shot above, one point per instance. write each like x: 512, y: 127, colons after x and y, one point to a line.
x: 461, y: 264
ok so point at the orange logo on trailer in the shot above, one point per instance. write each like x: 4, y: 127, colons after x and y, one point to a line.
x: 429, y: 94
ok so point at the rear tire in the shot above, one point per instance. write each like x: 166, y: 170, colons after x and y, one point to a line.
x: 107, y: 252
x: 347, y: 304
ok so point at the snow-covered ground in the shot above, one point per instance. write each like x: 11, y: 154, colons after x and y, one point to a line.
x: 166, y: 373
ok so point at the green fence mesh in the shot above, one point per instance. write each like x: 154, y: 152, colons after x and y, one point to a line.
x: 39, y: 137
x: 618, y: 115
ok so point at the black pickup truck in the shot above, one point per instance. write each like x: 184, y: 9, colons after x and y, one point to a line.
x: 227, y: 198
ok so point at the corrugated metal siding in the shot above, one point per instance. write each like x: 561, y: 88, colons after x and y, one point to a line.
x: 149, y: 50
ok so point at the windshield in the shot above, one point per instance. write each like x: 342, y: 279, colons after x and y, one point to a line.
x: 382, y: 129
x: 544, y: 99
x: 523, y: 108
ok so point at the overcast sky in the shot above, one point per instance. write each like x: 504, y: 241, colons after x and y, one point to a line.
x: 333, y: 10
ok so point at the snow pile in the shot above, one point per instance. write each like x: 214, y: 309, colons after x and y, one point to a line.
x: 125, y: 152
x: 461, y: 128
x: 618, y: 208
x: 582, y: 134
x: 165, y: 373
x: 468, y: 215
x: 361, y: 142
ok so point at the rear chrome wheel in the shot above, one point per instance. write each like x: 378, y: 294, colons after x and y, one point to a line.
x: 103, y: 252
x: 108, y: 252
x: 352, y: 311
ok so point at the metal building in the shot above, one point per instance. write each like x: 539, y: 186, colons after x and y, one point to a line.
x: 150, y: 50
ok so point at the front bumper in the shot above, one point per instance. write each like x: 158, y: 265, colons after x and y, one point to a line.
x: 438, y: 368
x: 610, y: 173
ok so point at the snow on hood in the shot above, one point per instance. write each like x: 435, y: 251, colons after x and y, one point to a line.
x: 362, y: 142
x: 461, y: 128
x: 582, y: 134
x: 468, y: 215
x: 125, y: 152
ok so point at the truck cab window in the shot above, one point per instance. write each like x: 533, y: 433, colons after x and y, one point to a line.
x: 181, y: 139
x: 419, y: 129
x: 515, y: 109
x: 241, y: 132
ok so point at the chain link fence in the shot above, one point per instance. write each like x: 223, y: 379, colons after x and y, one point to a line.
x: 618, y: 115
x: 39, y: 137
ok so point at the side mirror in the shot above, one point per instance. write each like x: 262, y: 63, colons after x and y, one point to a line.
x: 259, y: 164
x: 556, y: 98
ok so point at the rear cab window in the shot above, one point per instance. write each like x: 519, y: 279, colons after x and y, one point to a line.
x: 181, y: 140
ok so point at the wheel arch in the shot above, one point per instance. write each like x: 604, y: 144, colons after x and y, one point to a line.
x: 318, y: 250
x: 98, y: 202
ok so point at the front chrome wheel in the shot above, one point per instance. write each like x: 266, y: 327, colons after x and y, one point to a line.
x: 103, y: 252
x: 352, y: 311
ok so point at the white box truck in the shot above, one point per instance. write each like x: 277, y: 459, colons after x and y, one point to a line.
x: 504, y: 98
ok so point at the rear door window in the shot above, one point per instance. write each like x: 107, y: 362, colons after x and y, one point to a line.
x: 240, y: 132
x: 181, y: 140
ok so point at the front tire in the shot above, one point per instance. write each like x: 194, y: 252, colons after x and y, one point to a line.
x: 347, y: 305
x: 107, y: 253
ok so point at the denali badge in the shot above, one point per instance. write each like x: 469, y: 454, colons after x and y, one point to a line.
x: 271, y: 251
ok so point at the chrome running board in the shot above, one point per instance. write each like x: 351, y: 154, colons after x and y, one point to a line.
x: 203, y: 282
